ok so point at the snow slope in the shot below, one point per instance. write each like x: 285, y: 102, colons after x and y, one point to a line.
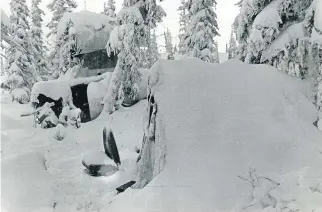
x: 226, y: 127
x: 41, y: 174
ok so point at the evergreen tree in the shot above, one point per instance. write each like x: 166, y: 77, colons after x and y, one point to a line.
x: 125, y: 40
x: 183, y: 22
x: 154, y: 47
x: 168, y: 44
x: 109, y: 9
x: 21, y: 66
x: 66, y: 47
x: 152, y: 14
x: 133, y: 22
x: 58, y: 8
x: 201, y: 30
x: 232, y: 47
x: 37, y: 36
x: 216, y: 53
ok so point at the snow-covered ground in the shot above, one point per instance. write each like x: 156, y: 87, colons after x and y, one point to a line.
x: 237, y: 137
x: 229, y: 137
x: 42, y: 174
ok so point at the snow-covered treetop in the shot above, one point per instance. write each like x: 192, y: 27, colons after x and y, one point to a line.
x: 92, y: 30
x: 294, y: 32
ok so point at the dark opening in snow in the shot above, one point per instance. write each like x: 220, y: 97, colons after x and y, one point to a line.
x: 98, y: 60
x: 42, y: 99
x: 80, y: 101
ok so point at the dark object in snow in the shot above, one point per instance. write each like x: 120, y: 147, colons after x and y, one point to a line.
x: 80, y: 100
x: 128, y: 102
x: 57, y: 107
x: 110, y: 147
x: 98, y: 164
x: 125, y: 186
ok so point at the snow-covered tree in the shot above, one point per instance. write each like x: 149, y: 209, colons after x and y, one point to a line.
x: 66, y: 47
x: 232, y: 47
x: 152, y: 15
x: 21, y: 64
x: 37, y: 36
x: 125, y: 40
x: 109, y: 9
x: 129, y: 34
x: 216, y: 53
x: 154, y: 47
x: 58, y: 8
x: 168, y: 44
x: 183, y: 22
x: 201, y: 30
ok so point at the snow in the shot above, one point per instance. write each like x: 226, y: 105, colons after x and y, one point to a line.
x: 54, y: 89
x: 25, y: 183
x: 317, y: 37
x: 71, y: 189
x: 296, y: 31
x: 219, y: 126
x: 4, y: 18
x: 61, y: 87
x: 318, y: 15
x: 220, y: 122
x: 92, y: 29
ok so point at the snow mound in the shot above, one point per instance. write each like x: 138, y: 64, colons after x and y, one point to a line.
x: 229, y: 135
x: 91, y: 29
x: 20, y: 95
x: 25, y: 183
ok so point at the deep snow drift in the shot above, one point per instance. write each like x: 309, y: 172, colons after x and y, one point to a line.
x: 234, y: 136
x: 41, y: 174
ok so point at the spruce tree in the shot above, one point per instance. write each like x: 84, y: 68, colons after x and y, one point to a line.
x: 232, y: 47
x: 126, y: 42
x: 59, y: 8
x: 66, y: 47
x: 133, y: 22
x: 183, y: 22
x: 168, y: 44
x: 154, y: 47
x: 37, y: 36
x: 21, y: 64
x: 109, y: 9
x: 201, y: 30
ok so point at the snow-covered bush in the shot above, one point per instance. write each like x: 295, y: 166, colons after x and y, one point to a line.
x: 20, y: 95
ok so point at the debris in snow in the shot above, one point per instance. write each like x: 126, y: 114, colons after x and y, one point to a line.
x: 98, y: 164
x: 125, y: 186
x: 110, y: 146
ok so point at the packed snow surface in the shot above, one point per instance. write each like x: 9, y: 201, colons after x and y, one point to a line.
x: 41, y: 174
x: 238, y: 137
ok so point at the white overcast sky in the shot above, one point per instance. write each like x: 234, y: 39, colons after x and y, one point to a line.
x: 226, y: 13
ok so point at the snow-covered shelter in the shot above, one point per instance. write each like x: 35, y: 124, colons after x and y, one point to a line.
x: 91, y: 31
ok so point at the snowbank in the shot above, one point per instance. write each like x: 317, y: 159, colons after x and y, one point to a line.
x: 25, y: 183
x: 92, y: 29
x: 226, y: 137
